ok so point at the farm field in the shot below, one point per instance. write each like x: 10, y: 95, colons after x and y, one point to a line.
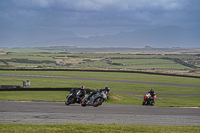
x: 145, y: 50
x: 144, y: 62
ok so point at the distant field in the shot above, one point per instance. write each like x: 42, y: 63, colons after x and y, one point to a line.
x: 31, y: 64
x: 132, y: 50
x: 29, y: 57
x: 91, y: 61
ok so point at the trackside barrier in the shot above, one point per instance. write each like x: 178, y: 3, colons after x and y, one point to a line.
x: 40, y: 89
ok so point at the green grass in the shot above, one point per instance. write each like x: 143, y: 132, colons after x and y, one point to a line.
x: 142, y: 61
x: 114, y: 98
x: 32, y: 64
x: 136, y: 64
x: 118, y: 98
x: 110, y: 75
x: 149, y: 56
x: 30, y: 50
x: 58, y: 96
x: 1, y: 63
x: 39, y: 54
x: 39, y: 58
x: 94, y: 128
x: 136, y: 61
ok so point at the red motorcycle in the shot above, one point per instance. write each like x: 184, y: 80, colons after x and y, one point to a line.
x: 148, y: 99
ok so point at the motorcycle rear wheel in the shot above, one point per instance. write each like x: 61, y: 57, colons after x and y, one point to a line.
x: 83, y: 103
x: 98, y: 101
x: 151, y: 103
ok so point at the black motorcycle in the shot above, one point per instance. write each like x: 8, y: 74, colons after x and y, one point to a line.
x: 95, y: 100
x: 74, y: 97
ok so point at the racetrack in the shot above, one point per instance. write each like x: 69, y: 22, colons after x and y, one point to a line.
x: 59, y: 113
x: 109, y: 80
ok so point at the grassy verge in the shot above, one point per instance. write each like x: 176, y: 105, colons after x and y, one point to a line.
x: 115, y: 86
x: 91, y: 128
x: 111, y: 75
x: 114, y: 98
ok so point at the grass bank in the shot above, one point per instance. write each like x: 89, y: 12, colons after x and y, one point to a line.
x: 94, y: 128
x: 110, y: 75
x: 114, y: 98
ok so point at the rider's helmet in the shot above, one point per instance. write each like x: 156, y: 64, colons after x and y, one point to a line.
x: 152, y: 90
x: 107, y: 89
x: 82, y: 87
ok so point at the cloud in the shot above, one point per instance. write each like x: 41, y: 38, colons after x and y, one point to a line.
x: 99, y: 13
x: 101, y: 5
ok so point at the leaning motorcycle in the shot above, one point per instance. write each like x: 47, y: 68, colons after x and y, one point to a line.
x: 70, y: 99
x: 148, y: 99
x: 95, y: 100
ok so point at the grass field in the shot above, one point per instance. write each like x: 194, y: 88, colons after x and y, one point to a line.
x: 77, y: 60
x: 94, y: 128
x: 108, y: 75
x: 116, y: 98
x: 32, y: 65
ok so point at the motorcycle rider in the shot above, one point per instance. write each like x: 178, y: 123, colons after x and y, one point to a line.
x: 152, y: 93
x: 81, y: 91
x: 106, y: 89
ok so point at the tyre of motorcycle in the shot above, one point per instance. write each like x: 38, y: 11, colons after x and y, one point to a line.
x: 69, y: 100
x: 83, y: 103
x: 98, y: 100
x: 144, y: 102
x: 151, y: 103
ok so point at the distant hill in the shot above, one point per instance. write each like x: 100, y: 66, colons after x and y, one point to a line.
x: 15, y: 37
x: 169, y: 36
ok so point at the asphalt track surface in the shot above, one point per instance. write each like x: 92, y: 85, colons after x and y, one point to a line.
x: 59, y: 113
x: 108, y: 80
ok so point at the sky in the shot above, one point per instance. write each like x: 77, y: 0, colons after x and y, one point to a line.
x: 99, y: 17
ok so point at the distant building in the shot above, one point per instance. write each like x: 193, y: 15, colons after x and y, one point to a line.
x: 194, y: 62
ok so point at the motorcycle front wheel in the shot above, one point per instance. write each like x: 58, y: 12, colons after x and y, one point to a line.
x: 144, y: 102
x: 69, y: 100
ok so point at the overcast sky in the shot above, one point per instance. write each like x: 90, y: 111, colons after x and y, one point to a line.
x: 99, y: 17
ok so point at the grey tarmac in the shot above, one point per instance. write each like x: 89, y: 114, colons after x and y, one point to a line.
x: 59, y: 113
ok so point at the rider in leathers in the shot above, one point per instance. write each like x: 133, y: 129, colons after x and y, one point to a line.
x: 152, y: 93
x: 81, y: 95
x: 107, y: 89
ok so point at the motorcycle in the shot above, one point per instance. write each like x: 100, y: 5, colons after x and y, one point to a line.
x: 96, y: 99
x: 148, y: 99
x: 73, y: 97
